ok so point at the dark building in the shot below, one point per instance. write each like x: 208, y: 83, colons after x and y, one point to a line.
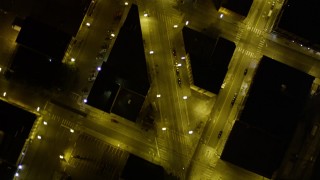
x: 209, y: 59
x: 15, y: 126
x: 262, y: 135
x: 66, y: 16
x: 241, y: 7
x: 138, y: 168
x: 300, y: 21
x: 38, y: 58
x: 122, y: 84
x: 43, y: 39
x: 302, y: 158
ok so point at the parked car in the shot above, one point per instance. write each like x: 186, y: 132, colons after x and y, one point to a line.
x: 92, y: 78
x: 220, y: 134
x: 245, y: 72
x: 234, y: 99
x: 114, y: 121
x: 179, y: 81
x: 177, y: 71
x: 174, y: 52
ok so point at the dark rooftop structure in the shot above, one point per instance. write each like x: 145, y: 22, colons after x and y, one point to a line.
x: 209, y: 59
x: 123, y: 83
x: 43, y: 39
x: 138, y: 168
x: 66, y: 16
x: 266, y: 125
x: 33, y: 67
x: 300, y: 20
x: 241, y: 7
x: 15, y: 126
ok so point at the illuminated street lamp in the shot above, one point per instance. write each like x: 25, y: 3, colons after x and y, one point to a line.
x: 38, y: 109
x: 45, y: 123
x: 187, y: 22
x: 0, y: 69
x: 145, y: 14
x: 112, y: 34
x: 126, y: 3
x: 71, y: 130
x: 99, y: 68
x: 151, y: 52
x: 73, y: 59
x: 39, y: 137
x: 4, y: 94
x: 85, y: 100
x: 158, y: 95
x: 88, y: 24
x: 164, y: 128
x: 185, y: 97
x: 175, y: 26
x: 16, y: 174
x: 183, y: 57
x: 221, y: 16
x: 190, y: 132
x: 61, y: 156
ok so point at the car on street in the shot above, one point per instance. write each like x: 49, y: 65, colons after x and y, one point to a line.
x: 179, y: 81
x: 219, y: 134
x: 174, y: 52
x: 234, y: 98
x: 245, y: 72
x: 103, y: 51
x: 114, y: 121
x: 177, y: 71
x: 91, y: 78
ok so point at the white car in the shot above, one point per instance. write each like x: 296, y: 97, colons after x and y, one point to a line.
x: 92, y: 78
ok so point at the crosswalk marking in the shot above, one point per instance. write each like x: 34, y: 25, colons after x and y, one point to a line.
x: 74, y: 96
x: 246, y: 52
x: 64, y: 122
x: 261, y: 45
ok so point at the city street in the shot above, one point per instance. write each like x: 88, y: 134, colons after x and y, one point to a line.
x: 191, y: 127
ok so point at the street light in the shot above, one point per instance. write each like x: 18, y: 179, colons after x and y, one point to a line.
x: 73, y: 59
x: 158, y: 95
x: 38, y: 109
x: 61, y: 156
x: 71, y: 130
x: 151, y: 52
x: 4, y: 94
x: 175, y: 26
x: 39, y: 137
x: 185, y: 97
x: 164, y: 128
x: 126, y: 3
x: 45, y: 123
x: 190, y: 132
